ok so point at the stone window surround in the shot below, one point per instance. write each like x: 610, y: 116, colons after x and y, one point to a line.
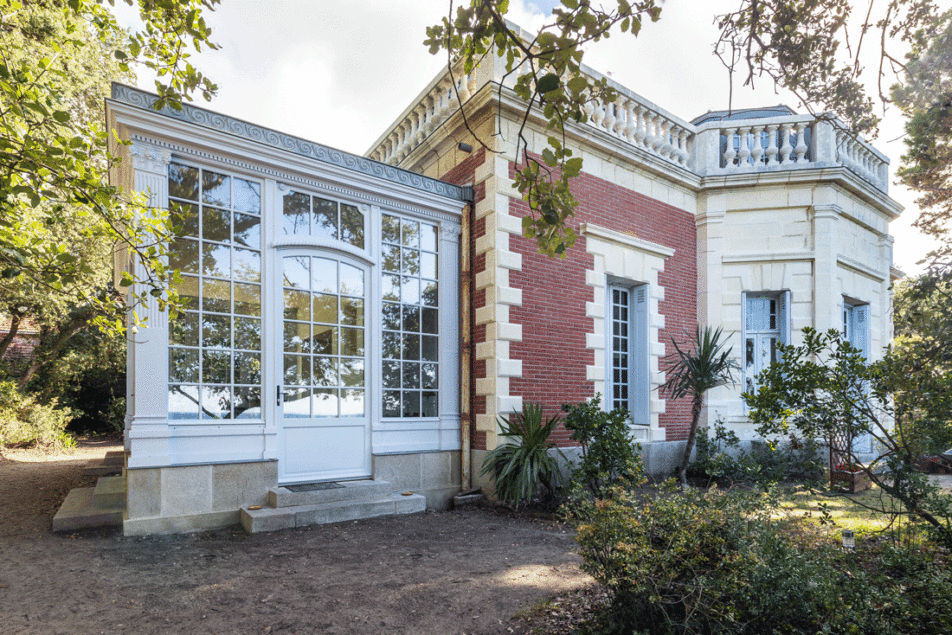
x: 622, y: 257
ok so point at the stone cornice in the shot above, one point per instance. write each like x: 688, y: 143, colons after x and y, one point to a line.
x: 815, y: 173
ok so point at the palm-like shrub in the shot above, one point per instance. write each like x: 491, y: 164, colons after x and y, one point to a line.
x: 524, y: 462
x: 691, y: 373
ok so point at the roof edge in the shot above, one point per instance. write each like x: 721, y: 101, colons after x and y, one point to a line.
x: 266, y: 136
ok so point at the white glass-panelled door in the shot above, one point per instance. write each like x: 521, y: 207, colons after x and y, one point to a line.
x: 324, y: 403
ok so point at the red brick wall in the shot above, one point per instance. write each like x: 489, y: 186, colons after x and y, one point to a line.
x: 554, y: 294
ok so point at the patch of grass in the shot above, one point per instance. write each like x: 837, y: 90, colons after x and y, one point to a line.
x: 862, y: 512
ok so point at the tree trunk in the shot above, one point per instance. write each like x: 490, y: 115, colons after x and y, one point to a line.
x: 692, y: 434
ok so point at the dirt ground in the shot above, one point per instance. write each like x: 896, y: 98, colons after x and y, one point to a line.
x: 467, y: 571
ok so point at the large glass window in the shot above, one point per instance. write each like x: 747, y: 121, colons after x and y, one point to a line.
x: 307, y: 215
x: 324, y: 342
x: 215, y: 343
x: 410, y: 318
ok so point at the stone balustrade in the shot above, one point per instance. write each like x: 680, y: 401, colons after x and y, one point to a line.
x: 718, y: 147
x: 642, y: 125
x: 434, y: 106
x: 784, y: 143
x: 862, y: 158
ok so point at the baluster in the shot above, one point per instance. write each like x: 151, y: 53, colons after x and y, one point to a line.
x: 649, y: 130
x: 655, y: 138
x: 463, y: 90
x: 398, y: 153
x: 609, y: 121
x: 785, y: 149
x: 730, y: 153
x: 683, y: 146
x: 757, y: 153
x: 620, y: 119
x: 629, y: 130
x: 445, y: 87
x: 666, y: 147
x: 471, y: 83
x: 429, y: 112
x: 589, y: 109
x: 416, y: 117
x: 801, y: 148
x: 772, y: 149
x: 599, y: 115
x: 641, y: 126
x: 743, y: 153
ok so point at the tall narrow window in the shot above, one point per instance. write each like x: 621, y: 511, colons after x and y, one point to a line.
x: 628, y: 359
x: 410, y: 318
x: 766, y: 323
x: 215, y: 343
x: 856, y: 326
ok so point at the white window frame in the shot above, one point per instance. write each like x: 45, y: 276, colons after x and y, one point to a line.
x: 635, y: 350
x: 760, y: 336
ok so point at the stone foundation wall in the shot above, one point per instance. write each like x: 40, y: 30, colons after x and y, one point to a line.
x: 194, y: 497
x: 436, y: 475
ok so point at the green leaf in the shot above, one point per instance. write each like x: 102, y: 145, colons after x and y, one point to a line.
x: 548, y: 83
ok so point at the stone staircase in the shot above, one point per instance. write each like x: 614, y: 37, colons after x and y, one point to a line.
x: 110, y: 465
x: 87, y: 507
x: 328, y: 503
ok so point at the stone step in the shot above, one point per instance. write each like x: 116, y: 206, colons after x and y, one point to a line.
x: 115, y: 457
x: 331, y: 492
x: 275, y: 518
x: 111, y: 491
x: 81, y: 510
x: 99, y: 467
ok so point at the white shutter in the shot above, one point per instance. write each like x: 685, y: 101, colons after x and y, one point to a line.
x: 640, y: 388
x: 783, y: 316
x: 861, y: 329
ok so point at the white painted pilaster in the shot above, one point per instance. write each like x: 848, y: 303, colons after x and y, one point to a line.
x: 147, y: 429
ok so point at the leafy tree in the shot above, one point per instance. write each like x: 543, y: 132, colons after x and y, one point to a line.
x: 824, y: 387
x: 920, y: 365
x: 692, y: 373
x: 803, y: 46
x: 925, y: 97
x: 548, y: 71
x: 58, y: 211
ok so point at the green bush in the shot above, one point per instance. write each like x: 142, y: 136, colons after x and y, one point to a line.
x: 26, y: 422
x: 89, y: 378
x: 720, y: 459
x: 608, y: 450
x: 522, y: 464
x: 717, y: 562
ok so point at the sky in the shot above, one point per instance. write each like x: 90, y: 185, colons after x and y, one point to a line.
x: 338, y: 72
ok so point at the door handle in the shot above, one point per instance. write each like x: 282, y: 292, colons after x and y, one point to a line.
x: 280, y: 395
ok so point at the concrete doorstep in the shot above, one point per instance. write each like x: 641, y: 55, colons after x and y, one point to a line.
x: 353, y: 501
